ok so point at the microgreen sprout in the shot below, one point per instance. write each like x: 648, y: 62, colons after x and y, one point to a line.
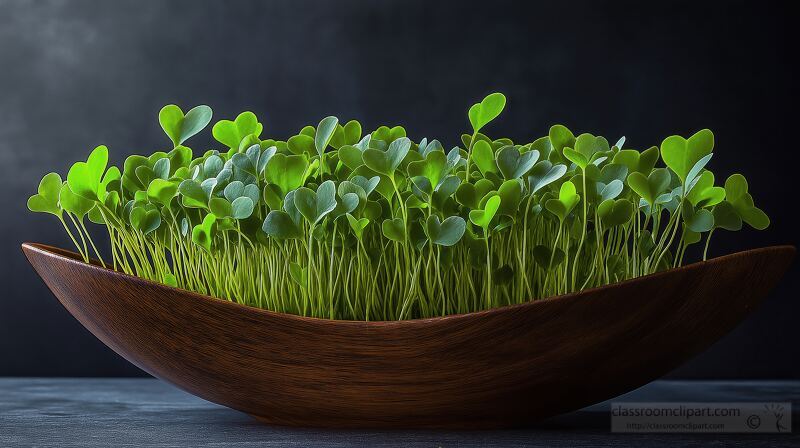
x: 338, y: 224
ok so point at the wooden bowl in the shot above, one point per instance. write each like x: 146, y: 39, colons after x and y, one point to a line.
x: 499, y: 368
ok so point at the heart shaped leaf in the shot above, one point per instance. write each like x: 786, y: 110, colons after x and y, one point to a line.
x: 736, y: 192
x: 566, y: 202
x: 231, y: 133
x: 314, y: 206
x: 162, y: 191
x: 546, y: 258
x: 203, y: 233
x: 487, y: 110
x: 447, y: 232
x: 394, y: 229
x: 286, y: 172
x: 358, y: 225
x: 84, y: 177
x: 561, y: 137
x: 682, y: 154
x: 650, y: 187
x: 433, y: 168
x: 46, y: 200
x: 386, y: 162
x: 279, y: 224
x: 514, y: 165
x: 144, y: 219
x: 483, y: 217
x: 180, y: 127
x: 73, y: 203
x: 697, y: 220
x: 615, y: 212
x: 543, y: 174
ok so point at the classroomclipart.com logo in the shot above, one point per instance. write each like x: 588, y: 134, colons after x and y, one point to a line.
x: 743, y: 417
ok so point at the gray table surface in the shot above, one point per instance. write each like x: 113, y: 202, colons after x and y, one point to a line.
x: 92, y: 412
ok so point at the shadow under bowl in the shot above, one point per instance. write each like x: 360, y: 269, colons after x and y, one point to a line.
x: 503, y: 367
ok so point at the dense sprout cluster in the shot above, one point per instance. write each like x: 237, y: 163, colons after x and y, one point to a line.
x: 337, y: 223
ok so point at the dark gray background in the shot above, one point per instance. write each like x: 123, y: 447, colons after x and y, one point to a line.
x: 75, y: 74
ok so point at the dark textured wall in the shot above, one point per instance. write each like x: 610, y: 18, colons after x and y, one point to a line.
x: 75, y: 74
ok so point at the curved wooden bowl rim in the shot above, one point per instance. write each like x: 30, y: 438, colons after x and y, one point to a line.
x: 74, y: 258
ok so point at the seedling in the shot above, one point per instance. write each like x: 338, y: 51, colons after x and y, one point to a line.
x: 335, y: 224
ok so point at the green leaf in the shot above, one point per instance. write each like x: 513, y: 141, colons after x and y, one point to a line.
x: 212, y: 166
x: 231, y: 133
x: 301, y: 144
x: 697, y: 220
x: 84, y: 177
x: 242, y: 207
x: 279, y: 224
x: 195, y: 121
x: 386, y: 162
x: 314, y: 206
x: 514, y: 165
x: 394, y: 229
x: 546, y: 258
x: 447, y: 232
x: 576, y: 158
x: 510, y: 193
x: 170, y: 118
x: 351, y: 156
x: 368, y: 185
x: 433, y: 168
x: 755, y: 218
x: 690, y: 237
x: 650, y: 187
x: 561, y: 137
x: 287, y: 172
x: 726, y: 217
x: 192, y: 194
x: 483, y: 156
x: 347, y: 203
x: 46, y: 200
x: 610, y: 190
x: 162, y: 191
x: 220, y: 207
x: 736, y: 192
x: 480, y: 114
x: 73, y: 203
x: 646, y: 243
x: 352, y: 132
x: 735, y: 187
x: 566, y: 202
x: 503, y: 275
x: 447, y: 187
x: 146, y: 220
x: 482, y: 218
x: 325, y: 131
x: 358, y: 225
x: 615, y: 212
x: 543, y: 174
x: 299, y: 274
x: 180, y: 128
x: 588, y: 145
x: 203, y: 233
x: 704, y: 193
x: 681, y: 155
x: 169, y: 280
x: 161, y: 169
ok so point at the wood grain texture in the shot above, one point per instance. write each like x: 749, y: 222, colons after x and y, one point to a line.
x: 499, y: 368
